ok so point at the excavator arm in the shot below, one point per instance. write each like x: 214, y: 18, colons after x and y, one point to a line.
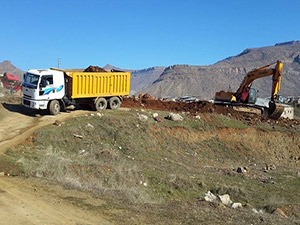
x: 276, y: 80
x: 241, y: 95
x: 276, y: 109
x: 260, y: 73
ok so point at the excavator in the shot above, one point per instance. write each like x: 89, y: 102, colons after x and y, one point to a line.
x: 246, y: 96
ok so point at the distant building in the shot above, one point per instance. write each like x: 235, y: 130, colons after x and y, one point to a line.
x: 288, y: 112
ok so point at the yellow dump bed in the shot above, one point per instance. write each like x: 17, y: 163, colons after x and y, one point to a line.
x: 94, y: 84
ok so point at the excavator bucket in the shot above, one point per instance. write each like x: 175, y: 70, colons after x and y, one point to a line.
x: 275, y: 110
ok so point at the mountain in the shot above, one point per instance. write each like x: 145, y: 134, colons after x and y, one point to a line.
x: 6, y: 66
x: 204, y: 81
x: 140, y: 79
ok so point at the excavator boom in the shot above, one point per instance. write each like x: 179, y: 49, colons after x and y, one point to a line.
x: 242, y: 93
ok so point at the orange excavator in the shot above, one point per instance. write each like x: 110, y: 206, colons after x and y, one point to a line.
x: 246, y: 96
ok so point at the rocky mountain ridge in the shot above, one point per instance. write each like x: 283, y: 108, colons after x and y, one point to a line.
x: 6, y: 66
x: 204, y: 81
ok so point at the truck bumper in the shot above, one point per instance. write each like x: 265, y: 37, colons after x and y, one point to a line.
x: 34, y: 104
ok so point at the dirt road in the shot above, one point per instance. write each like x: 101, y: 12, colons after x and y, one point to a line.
x: 32, y: 202
x: 18, y: 123
x: 25, y: 201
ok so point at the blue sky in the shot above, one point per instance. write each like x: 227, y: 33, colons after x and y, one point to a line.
x: 139, y: 34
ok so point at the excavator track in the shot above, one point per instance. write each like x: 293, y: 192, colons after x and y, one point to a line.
x: 275, y: 110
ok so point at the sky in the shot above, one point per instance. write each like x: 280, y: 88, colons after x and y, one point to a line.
x: 138, y: 34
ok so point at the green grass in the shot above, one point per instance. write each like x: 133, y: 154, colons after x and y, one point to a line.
x: 228, y: 122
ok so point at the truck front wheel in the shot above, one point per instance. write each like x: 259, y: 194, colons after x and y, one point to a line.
x: 54, y: 107
x: 101, y: 104
x: 114, y: 103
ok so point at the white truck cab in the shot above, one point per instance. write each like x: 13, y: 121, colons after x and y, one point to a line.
x: 42, y: 86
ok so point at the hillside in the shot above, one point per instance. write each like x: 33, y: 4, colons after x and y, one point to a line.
x: 204, y: 81
x: 6, y: 66
x: 140, y: 79
x: 125, y: 167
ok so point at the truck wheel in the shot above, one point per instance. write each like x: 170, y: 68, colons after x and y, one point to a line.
x: 54, y: 107
x: 114, y: 103
x: 101, y: 104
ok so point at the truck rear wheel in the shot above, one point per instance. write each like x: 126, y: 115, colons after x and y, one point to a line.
x: 54, y: 107
x: 114, y: 103
x: 101, y: 104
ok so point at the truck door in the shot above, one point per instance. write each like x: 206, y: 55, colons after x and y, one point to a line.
x: 46, y: 88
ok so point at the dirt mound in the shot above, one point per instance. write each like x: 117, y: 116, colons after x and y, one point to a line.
x: 95, y: 69
x: 147, y: 101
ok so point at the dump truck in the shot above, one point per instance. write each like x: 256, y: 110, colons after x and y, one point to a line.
x: 244, y: 98
x: 55, y: 89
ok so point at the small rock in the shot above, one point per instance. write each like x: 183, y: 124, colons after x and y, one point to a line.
x: 92, y: 114
x: 82, y: 151
x: 270, y: 167
x: 58, y: 123
x: 120, y: 147
x: 236, y: 205
x: 254, y: 210
x: 279, y: 212
x: 154, y: 115
x: 242, y: 170
x: 198, y: 117
x: 174, y: 117
x: 158, y: 119
x: 99, y: 114
x: 142, y: 117
x: 261, y: 211
x: 225, y: 199
x: 90, y: 126
x: 210, y: 197
x: 78, y: 136
x: 145, y: 184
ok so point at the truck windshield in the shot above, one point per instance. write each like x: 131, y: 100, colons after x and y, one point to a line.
x: 31, y: 80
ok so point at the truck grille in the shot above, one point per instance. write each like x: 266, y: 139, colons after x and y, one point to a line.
x: 27, y: 96
x: 26, y: 102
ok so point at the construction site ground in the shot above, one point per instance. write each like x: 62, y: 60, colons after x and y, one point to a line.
x: 117, y: 167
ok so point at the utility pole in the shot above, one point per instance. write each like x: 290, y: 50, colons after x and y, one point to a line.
x: 58, y: 62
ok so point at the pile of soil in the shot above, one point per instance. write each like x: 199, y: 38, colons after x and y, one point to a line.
x: 95, y: 69
x: 147, y: 101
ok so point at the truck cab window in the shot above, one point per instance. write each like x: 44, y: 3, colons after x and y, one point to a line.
x: 46, y: 80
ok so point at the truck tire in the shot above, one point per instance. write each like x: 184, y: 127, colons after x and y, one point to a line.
x: 114, y: 103
x: 101, y: 104
x: 54, y: 107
